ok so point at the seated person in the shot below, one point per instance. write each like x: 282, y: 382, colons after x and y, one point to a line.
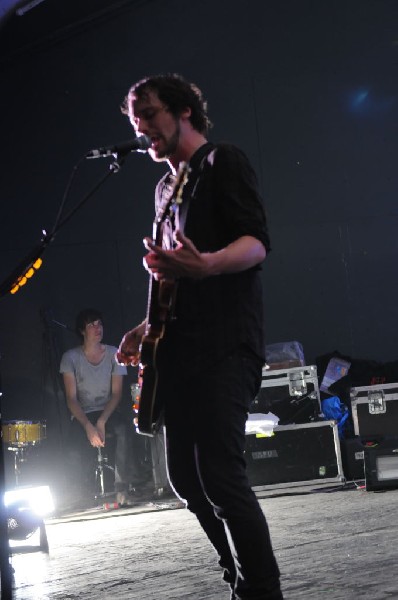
x: 93, y: 386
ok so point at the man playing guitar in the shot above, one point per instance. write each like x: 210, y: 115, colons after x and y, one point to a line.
x: 208, y: 343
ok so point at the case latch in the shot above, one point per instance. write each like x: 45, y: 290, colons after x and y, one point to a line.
x: 297, y: 383
x: 377, y: 404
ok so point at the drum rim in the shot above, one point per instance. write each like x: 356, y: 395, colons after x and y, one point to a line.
x: 20, y: 421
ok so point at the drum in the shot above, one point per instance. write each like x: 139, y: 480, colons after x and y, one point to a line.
x: 23, y: 433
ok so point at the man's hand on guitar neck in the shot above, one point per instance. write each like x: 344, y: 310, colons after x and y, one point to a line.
x: 129, y: 349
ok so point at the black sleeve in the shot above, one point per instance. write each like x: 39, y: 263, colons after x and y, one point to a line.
x: 236, y: 190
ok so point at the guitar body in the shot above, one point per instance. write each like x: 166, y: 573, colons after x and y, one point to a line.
x: 149, y: 412
x: 160, y: 303
x: 149, y: 409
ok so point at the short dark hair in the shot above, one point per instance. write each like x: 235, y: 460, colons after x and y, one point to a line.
x: 177, y: 94
x: 85, y: 316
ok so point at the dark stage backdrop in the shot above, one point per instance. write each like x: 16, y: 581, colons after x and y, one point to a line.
x: 308, y: 89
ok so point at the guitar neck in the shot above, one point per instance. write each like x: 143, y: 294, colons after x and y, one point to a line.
x: 161, y: 294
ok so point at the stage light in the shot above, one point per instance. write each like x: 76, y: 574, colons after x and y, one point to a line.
x: 25, y: 508
x: 22, y: 522
x: 38, y: 499
x: 387, y: 468
x: 381, y: 465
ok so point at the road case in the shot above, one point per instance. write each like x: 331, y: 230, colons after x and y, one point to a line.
x: 300, y: 454
x: 290, y: 394
x: 375, y: 410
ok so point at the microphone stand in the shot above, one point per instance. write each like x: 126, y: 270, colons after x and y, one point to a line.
x: 5, y: 287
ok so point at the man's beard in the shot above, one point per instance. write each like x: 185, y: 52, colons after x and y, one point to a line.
x: 170, y: 146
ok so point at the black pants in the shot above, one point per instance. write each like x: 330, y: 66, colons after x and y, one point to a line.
x: 205, y: 434
x: 83, y: 456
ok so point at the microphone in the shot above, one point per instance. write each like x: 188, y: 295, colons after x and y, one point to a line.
x: 138, y: 144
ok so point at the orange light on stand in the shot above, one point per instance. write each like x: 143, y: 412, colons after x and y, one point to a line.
x: 21, y: 281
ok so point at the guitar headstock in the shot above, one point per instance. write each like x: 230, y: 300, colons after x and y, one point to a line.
x: 181, y: 179
x: 173, y: 197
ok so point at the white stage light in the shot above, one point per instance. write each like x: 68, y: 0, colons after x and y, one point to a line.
x: 38, y: 499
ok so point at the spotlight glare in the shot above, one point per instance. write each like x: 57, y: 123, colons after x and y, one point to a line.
x: 38, y: 499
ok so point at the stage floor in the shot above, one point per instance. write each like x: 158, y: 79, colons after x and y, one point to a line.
x: 337, y: 542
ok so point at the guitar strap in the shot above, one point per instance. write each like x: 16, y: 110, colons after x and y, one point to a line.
x: 197, y: 168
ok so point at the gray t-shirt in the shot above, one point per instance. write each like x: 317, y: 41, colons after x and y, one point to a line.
x: 93, y: 382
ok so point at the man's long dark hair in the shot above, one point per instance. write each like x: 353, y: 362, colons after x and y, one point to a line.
x: 177, y: 94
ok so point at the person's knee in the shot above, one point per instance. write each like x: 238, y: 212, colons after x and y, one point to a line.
x: 225, y: 487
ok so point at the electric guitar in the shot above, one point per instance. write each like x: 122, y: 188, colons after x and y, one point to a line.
x: 161, y: 296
